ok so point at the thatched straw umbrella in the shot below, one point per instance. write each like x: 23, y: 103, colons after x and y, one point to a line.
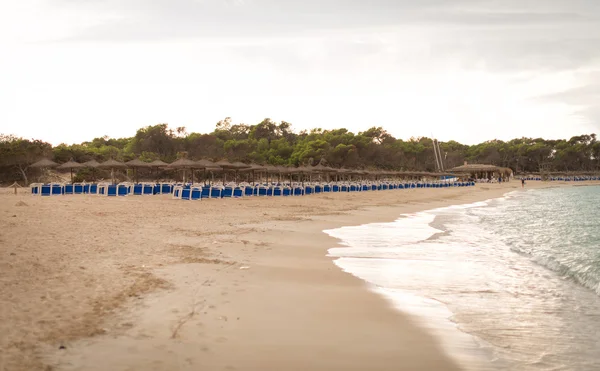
x: 70, y: 165
x: 44, y: 164
x: 225, y: 165
x: 212, y: 170
x: 302, y: 171
x: 184, y: 163
x: 253, y: 168
x: 239, y: 166
x: 322, y: 169
x: 112, y: 165
x: 155, y: 165
x: 135, y: 164
x: 92, y: 164
x: 204, y: 164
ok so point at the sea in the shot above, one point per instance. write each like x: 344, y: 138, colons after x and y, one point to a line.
x: 507, y: 284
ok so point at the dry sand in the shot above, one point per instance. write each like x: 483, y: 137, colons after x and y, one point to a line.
x: 151, y: 283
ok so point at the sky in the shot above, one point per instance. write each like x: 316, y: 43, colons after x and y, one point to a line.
x: 465, y: 70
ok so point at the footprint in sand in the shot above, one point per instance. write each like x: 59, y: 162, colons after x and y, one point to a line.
x: 221, y: 340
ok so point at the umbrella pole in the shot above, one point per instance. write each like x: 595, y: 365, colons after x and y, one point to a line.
x: 71, y: 175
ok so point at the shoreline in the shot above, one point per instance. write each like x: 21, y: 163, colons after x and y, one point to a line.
x: 237, y: 291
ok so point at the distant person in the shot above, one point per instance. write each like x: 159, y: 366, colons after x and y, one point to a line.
x: 522, y: 182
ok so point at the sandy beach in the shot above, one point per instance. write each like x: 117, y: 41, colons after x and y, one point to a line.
x: 151, y: 283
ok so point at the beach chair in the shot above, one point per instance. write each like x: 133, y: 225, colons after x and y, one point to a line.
x: 335, y: 188
x: 216, y: 192
x: 45, y: 190
x: 177, y: 192
x: 56, y: 189
x: 227, y: 192
x: 111, y: 190
x: 166, y: 188
x: 148, y: 189
x: 185, y: 193
x: 365, y: 187
x: 318, y: 188
x: 277, y: 191
x: 309, y: 190
x: 78, y: 188
x: 138, y: 189
x: 195, y: 193
x: 298, y: 191
x: 124, y: 189
x: 36, y: 189
x: 238, y: 192
x: 67, y: 189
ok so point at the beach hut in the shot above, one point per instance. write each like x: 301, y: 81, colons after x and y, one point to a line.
x: 70, y: 165
x: 112, y: 165
x: 477, y: 171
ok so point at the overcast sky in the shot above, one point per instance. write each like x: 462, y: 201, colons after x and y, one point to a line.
x: 469, y: 70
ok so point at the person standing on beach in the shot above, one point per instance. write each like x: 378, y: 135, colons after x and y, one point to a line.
x: 522, y: 182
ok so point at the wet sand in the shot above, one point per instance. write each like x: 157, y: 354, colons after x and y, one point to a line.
x: 151, y: 283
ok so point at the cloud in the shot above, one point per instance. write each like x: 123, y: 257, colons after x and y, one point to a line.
x: 165, y: 19
x: 585, y: 96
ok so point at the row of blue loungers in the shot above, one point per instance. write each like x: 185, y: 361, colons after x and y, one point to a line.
x: 189, y: 192
x: 101, y: 189
x: 567, y: 179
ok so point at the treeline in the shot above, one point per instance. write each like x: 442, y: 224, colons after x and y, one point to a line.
x: 275, y: 143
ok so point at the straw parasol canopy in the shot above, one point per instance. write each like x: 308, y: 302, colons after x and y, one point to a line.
x: 475, y: 168
x: 182, y: 163
x: 225, y: 164
x: 112, y: 164
x: 272, y: 169
x: 240, y: 165
x: 44, y: 163
x: 320, y: 168
x: 91, y: 164
x: 158, y: 163
x: 70, y: 165
x: 203, y: 164
x: 137, y: 163
x: 255, y: 167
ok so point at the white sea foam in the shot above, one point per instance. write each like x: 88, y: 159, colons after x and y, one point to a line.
x: 491, y: 308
